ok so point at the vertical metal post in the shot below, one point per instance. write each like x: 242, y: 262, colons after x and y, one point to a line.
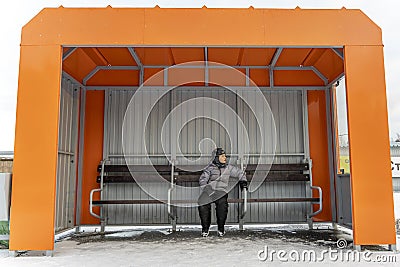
x: 102, y: 219
x: 330, y: 119
x: 141, y: 76
x: 75, y: 138
x: 165, y: 76
x: 306, y: 144
x: 247, y: 76
x: 243, y: 210
x: 80, y: 163
x: 103, y: 210
x: 241, y: 159
x: 206, y: 74
x: 172, y: 209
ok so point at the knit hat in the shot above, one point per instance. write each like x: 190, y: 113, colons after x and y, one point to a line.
x: 215, y: 155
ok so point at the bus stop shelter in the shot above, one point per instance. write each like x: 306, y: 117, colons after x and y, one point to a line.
x: 80, y: 66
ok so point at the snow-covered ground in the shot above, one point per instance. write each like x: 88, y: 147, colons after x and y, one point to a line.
x: 156, y: 246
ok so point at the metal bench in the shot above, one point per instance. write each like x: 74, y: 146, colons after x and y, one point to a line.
x: 174, y: 175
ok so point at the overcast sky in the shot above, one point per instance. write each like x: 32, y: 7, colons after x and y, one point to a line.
x: 15, y: 14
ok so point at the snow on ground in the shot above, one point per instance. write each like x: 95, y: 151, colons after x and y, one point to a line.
x: 156, y: 246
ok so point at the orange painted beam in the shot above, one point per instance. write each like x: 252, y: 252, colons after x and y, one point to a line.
x: 35, y: 162
x: 317, y: 128
x: 92, y: 151
x: 180, y: 26
x: 371, y: 178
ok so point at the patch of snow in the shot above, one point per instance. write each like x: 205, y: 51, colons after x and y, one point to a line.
x: 126, y: 234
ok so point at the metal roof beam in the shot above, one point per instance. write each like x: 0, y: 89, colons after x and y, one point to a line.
x: 95, y: 70
x: 72, y: 78
x: 139, y: 63
x: 276, y: 88
x: 276, y: 57
x: 206, y: 68
x: 272, y: 65
x: 338, y: 53
x: 340, y: 76
x: 135, y: 56
x: 320, y: 75
x: 214, y: 46
x: 99, y: 56
x: 225, y: 67
x: 68, y: 53
x: 90, y: 75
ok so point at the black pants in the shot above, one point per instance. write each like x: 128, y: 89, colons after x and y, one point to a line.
x: 220, y: 199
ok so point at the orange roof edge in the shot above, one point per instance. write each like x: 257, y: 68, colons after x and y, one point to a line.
x: 201, y: 26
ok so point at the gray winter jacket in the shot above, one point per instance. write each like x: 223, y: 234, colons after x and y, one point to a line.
x: 218, y: 179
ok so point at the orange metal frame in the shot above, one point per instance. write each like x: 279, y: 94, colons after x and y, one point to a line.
x: 43, y: 39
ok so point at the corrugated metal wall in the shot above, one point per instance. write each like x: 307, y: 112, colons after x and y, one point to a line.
x: 395, y: 150
x: 66, y: 176
x: 396, y: 184
x: 6, y: 165
x: 286, y: 107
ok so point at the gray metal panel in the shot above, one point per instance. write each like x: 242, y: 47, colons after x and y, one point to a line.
x: 395, y: 150
x: 277, y: 212
x: 189, y: 215
x: 200, y: 128
x: 396, y: 184
x: 118, y: 102
x: 343, y: 192
x: 66, y: 180
x: 286, y: 107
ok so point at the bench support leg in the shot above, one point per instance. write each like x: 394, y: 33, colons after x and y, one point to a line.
x: 102, y: 226
x: 173, y: 224
x: 241, y: 224
x: 173, y: 219
x: 310, y: 223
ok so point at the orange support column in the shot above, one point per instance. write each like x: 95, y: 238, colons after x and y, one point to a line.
x: 92, y: 152
x: 317, y: 126
x: 371, y: 179
x: 35, y: 161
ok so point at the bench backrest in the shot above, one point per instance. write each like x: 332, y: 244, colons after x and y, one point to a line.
x: 191, y: 173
